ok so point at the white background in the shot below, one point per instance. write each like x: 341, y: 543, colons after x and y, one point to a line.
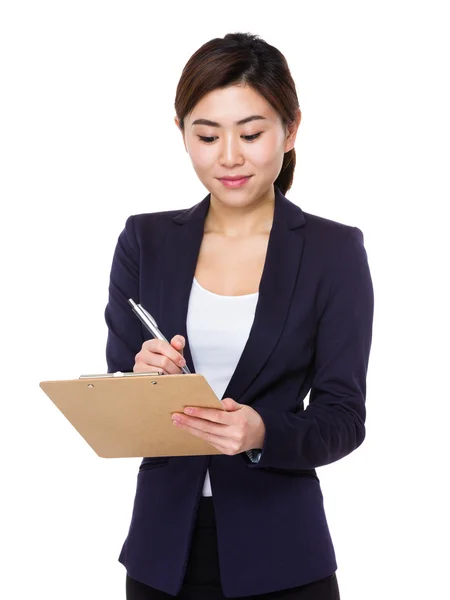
x: 87, y: 138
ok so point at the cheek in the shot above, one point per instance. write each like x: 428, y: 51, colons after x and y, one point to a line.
x: 202, y: 157
x: 267, y: 153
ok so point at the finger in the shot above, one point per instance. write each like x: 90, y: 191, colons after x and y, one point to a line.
x: 201, y: 425
x: 160, y: 360
x: 224, y: 444
x: 146, y: 360
x: 178, y: 342
x: 209, y: 414
x: 144, y: 368
x: 160, y: 347
x: 231, y: 405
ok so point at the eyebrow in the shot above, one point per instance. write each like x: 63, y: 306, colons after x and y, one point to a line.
x: 215, y: 124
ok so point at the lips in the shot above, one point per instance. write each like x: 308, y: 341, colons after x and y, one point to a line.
x: 235, y: 178
x: 234, y: 182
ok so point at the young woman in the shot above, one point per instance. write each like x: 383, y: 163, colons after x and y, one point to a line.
x: 267, y: 302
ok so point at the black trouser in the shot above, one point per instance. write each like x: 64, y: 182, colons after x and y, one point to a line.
x: 202, y: 578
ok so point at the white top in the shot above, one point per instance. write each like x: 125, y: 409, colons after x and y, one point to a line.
x: 218, y: 328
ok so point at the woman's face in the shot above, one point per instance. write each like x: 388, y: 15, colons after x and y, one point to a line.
x: 234, y: 132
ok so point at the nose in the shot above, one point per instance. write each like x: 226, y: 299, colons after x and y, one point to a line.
x: 231, y: 152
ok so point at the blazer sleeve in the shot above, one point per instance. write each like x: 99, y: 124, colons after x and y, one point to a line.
x: 125, y: 336
x: 333, y: 424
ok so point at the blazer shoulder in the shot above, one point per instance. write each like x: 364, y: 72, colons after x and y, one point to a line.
x: 331, y: 232
x: 149, y: 226
x: 155, y: 218
x: 318, y: 224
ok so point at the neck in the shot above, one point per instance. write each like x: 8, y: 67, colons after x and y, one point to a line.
x: 241, y: 221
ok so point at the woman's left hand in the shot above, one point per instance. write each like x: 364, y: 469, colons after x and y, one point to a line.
x: 236, y: 429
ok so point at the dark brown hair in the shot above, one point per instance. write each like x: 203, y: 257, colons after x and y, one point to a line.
x: 241, y: 58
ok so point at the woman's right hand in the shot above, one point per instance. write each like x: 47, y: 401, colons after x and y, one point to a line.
x: 158, y: 355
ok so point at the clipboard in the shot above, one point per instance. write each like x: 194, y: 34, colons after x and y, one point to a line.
x: 129, y: 414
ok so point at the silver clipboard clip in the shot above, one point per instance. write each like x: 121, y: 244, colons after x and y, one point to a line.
x: 120, y: 374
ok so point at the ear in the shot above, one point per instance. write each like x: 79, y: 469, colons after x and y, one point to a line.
x: 177, y: 123
x: 291, y: 131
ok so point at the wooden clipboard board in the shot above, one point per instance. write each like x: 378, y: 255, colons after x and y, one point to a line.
x: 130, y: 416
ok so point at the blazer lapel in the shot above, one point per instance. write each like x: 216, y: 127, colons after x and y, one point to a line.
x: 281, y: 266
x: 180, y: 254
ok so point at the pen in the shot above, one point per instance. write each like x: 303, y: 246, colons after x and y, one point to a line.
x: 149, y: 322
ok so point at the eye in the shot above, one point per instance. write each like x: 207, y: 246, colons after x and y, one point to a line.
x: 251, y: 138
x: 247, y: 138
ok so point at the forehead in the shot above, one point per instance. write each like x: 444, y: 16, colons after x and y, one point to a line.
x: 231, y: 104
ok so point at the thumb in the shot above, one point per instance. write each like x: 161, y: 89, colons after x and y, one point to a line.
x: 178, y: 342
x: 230, y: 404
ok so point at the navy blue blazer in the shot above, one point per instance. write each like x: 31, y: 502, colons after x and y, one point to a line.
x: 311, y: 333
